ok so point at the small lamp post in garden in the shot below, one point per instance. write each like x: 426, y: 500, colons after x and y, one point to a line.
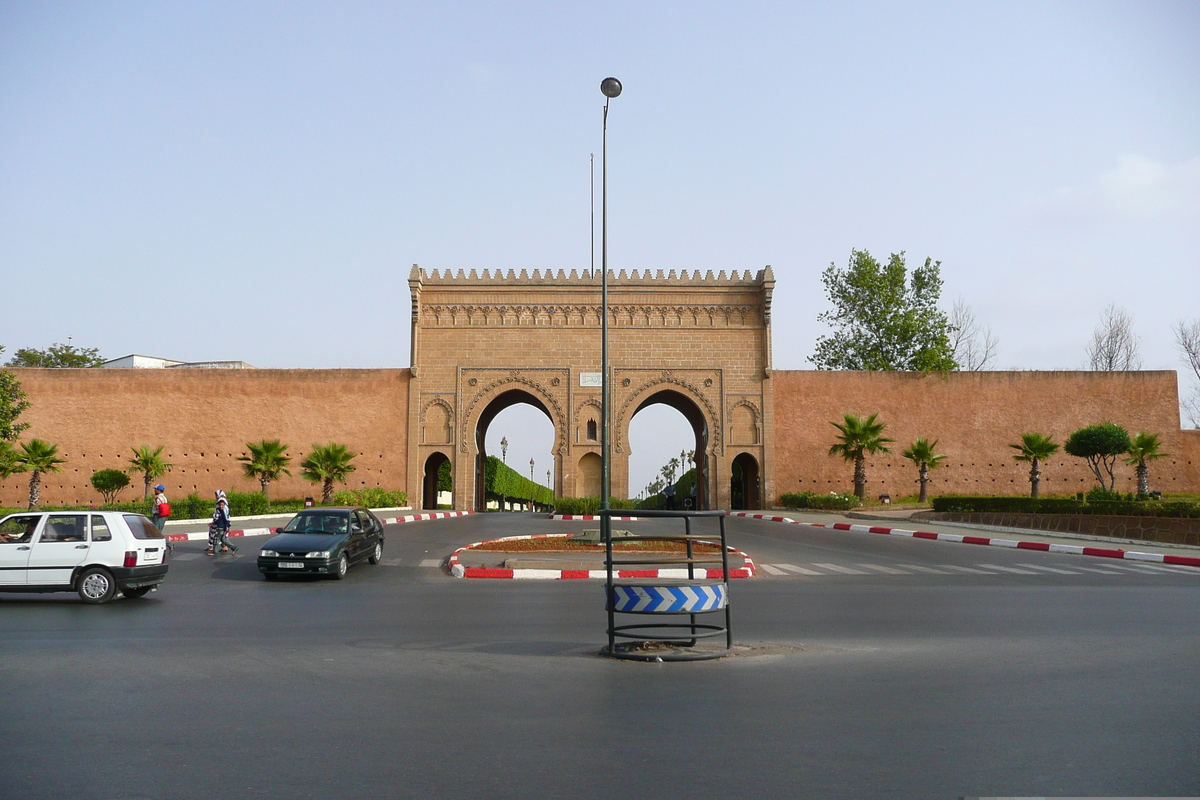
x: 503, y: 459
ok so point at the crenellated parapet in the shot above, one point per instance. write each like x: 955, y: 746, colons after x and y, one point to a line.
x: 639, y: 278
x: 638, y: 299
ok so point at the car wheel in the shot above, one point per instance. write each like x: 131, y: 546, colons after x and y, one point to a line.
x: 140, y: 591
x: 343, y: 564
x: 96, y: 585
x: 376, y: 554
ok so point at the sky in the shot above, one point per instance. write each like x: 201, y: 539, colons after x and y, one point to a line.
x: 178, y: 179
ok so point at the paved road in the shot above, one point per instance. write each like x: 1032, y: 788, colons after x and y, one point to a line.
x: 884, y: 667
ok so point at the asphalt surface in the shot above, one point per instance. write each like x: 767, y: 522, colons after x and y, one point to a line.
x: 873, y: 666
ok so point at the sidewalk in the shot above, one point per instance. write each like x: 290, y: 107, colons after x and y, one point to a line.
x: 901, y: 518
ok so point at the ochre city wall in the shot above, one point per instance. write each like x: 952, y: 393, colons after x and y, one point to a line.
x: 205, y: 417
x: 974, y: 416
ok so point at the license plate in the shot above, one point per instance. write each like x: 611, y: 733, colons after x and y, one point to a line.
x: 291, y: 565
x: 150, y: 558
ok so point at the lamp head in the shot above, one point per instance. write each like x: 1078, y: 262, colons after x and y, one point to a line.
x: 611, y: 87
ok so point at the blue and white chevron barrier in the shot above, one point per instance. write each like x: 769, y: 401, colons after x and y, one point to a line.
x: 669, y: 599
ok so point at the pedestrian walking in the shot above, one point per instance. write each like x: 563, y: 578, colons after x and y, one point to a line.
x: 160, y: 512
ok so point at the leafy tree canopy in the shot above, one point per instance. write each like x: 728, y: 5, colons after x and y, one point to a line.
x: 57, y: 355
x: 12, y: 402
x: 108, y: 482
x: 1099, y: 445
x: 883, y: 319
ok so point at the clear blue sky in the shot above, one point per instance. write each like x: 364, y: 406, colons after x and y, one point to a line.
x: 191, y: 179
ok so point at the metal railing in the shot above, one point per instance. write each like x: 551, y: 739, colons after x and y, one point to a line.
x: 678, y: 594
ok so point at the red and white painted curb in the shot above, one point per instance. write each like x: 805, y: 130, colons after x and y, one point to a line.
x: 592, y: 517
x: 459, y: 571
x: 1102, y: 552
x: 196, y: 536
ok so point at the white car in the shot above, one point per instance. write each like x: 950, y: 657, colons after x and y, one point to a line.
x: 94, y: 553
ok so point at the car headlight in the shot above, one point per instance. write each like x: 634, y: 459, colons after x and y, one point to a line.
x: 317, y: 554
x: 269, y: 554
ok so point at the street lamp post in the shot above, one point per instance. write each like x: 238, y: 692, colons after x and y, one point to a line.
x: 610, y: 87
x: 504, y: 459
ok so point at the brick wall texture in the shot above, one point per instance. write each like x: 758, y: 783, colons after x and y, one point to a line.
x: 975, y: 416
x: 205, y: 417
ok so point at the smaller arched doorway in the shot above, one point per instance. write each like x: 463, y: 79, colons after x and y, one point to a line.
x: 435, y: 466
x: 744, y: 483
x: 691, y: 412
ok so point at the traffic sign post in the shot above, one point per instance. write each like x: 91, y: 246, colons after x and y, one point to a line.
x: 671, y: 638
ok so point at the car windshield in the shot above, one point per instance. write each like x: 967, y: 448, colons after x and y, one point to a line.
x: 317, y: 522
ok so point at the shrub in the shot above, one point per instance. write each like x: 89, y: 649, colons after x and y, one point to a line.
x: 830, y: 502
x: 1028, y: 505
x: 109, y: 483
x: 587, y: 505
x: 371, y: 498
x: 1099, y: 493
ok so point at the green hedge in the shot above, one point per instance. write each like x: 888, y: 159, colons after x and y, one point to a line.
x: 586, y: 505
x: 502, y: 481
x: 245, y: 504
x: 371, y: 498
x: 1027, y: 505
x: 827, y: 502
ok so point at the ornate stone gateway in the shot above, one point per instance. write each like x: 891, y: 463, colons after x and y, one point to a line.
x: 699, y: 344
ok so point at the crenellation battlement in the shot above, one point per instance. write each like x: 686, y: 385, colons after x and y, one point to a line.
x: 644, y: 278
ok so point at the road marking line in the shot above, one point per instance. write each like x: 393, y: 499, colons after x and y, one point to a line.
x: 844, y: 570
x: 1101, y: 571
x: 887, y: 570
x: 1155, y: 568
x: 799, y: 570
x: 1009, y: 569
x: 967, y: 569
x: 431, y: 562
x: 773, y: 570
x: 184, y: 557
x: 1049, y: 569
x: 925, y: 569
x: 390, y: 562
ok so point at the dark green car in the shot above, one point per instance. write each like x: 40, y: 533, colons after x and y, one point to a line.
x: 323, y: 541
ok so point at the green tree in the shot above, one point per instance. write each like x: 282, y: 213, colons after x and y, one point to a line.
x: 38, y: 457
x: 325, y: 465
x: 1034, y: 447
x: 108, y: 482
x: 445, y: 477
x: 57, y: 355
x: 8, y: 461
x: 268, y: 460
x: 1100, y: 445
x: 857, y: 439
x: 12, y: 402
x: 922, y: 453
x: 149, y: 461
x: 1144, y: 448
x: 882, y: 320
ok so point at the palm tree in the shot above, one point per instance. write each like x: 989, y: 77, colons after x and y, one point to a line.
x: 268, y: 460
x: 149, y: 461
x: 858, y: 439
x: 922, y: 454
x: 326, y: 464
x: 1033, y: 448
x: 37, y: 456
x: 1143, y: 448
